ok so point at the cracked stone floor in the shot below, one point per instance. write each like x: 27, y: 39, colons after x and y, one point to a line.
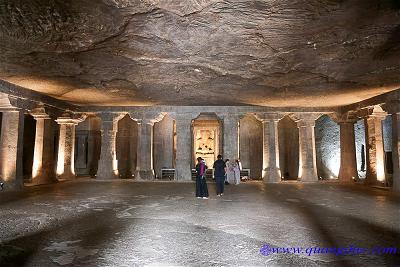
x: 126, y: 223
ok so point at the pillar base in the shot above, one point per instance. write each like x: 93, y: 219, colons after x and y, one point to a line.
x: 144, y: 175
x: 271, y: 175
x: 183, y: 175
x: 66, y: 176
x: 110, y: 175
x: 308, y: 175
x: 43, y: 179
x: 11, y: 186
x: 346, y: 178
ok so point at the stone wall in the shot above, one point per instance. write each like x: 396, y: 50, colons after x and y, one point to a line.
x: 126, y: 147
x: 327, y: 145
x: 87, y: 146
x: 250, y: 145
x: 163, y: 146
x: 387, y: 133
x: 359, y: 131
x: 288, y: 148
x: 29, y: 145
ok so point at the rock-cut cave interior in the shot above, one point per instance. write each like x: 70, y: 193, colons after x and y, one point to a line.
x: 200, y: 133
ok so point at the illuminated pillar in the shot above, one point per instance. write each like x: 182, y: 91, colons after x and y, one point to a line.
x: 183, y: 169
x: 66, y: 147
x: 231, y: 137
x: 43, y: 167
x: 144, y: 167
x: 271, y: 170
x: 11, y: 147
x: 108, y: 164
x: 348, y: 161
x: 307, y: 153
x: 374, y: 146
x: 396, y: 151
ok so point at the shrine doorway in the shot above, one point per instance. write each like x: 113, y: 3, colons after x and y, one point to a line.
x: 206, y: 138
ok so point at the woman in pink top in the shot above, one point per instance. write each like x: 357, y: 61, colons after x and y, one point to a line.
x: 201, y: 185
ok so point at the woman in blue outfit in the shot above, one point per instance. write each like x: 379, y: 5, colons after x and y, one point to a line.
x: 201, y: 185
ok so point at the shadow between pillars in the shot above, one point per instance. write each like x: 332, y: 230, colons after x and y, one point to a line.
x: 319, y: 218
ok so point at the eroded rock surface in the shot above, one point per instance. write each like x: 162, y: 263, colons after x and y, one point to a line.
x: 204, y: 52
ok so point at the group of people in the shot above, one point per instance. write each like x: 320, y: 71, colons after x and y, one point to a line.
x: 225, y: 172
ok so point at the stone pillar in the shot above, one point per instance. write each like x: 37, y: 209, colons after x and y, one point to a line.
x: 108, y: 164
x: 144, y: 167
x: 307, y: 153
x: 183, y: 169
x: 66, y: 147
x: 348, y: 160
x: 43, y: 167
x: 271, y: 169
x: 11, y: 147
x: 231, y: 137
x: 396, y: 151
x: 374, y: 147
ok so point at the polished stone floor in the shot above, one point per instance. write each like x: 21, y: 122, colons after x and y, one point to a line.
x: 126, y: 223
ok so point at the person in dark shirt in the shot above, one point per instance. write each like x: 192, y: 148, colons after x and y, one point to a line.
x: 201, y: 185
x: 219, y: 174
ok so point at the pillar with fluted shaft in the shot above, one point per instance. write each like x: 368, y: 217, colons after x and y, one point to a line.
x: 374, y: 147
x: 43, y: 166
x: 11, y: 147
x: 108, y: 164
x: 144, y: 166
x: 66, y: 147
x: 231, y: 136
x: 396, y: 151
x: 307, y: 152
x: 271, y: 169
x: 183, y: 169
x: 348, y: 160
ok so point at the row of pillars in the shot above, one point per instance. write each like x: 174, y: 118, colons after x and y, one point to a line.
x: 375, y: 157
x: 12, y: 129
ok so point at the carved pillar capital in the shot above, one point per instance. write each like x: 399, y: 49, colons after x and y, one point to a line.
x: 39, y: 113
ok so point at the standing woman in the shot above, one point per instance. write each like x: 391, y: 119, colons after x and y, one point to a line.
x: 201, y: 185
x: 236, y: 169
x: 230, y: 172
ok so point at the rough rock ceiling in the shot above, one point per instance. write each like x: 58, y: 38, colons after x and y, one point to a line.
x: 202, y: 52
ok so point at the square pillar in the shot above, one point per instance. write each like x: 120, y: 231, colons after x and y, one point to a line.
x: 231, y: 137
x: 108, y: 164
x: 307, y: 152
x: 396, y: 151
x: 271, y: 169
x: 374, y: 147
x: 66, y: 147
x: 11, y: 148
x: 348, y: 161
x: 144, y: 167
x: 43, y: 167
x: 183, y: 169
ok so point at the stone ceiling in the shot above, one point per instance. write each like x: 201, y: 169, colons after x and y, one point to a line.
x: 296, y: 53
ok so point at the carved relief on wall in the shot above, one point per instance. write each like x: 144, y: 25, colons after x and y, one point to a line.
x: 205, y: 145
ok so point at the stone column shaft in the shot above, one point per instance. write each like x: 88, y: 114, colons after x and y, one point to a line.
x: 396, y: 151
x: 43, y: 168
x: 108, y: 164
x: 375, y: 153
x: 183, y: 169
x: 66, y: 150
x: 11, y: 147
x: 144, y: 167
x: 271, y: 171
x: 307, y: 153
x: 348, y: 160
x: 231, y: 137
